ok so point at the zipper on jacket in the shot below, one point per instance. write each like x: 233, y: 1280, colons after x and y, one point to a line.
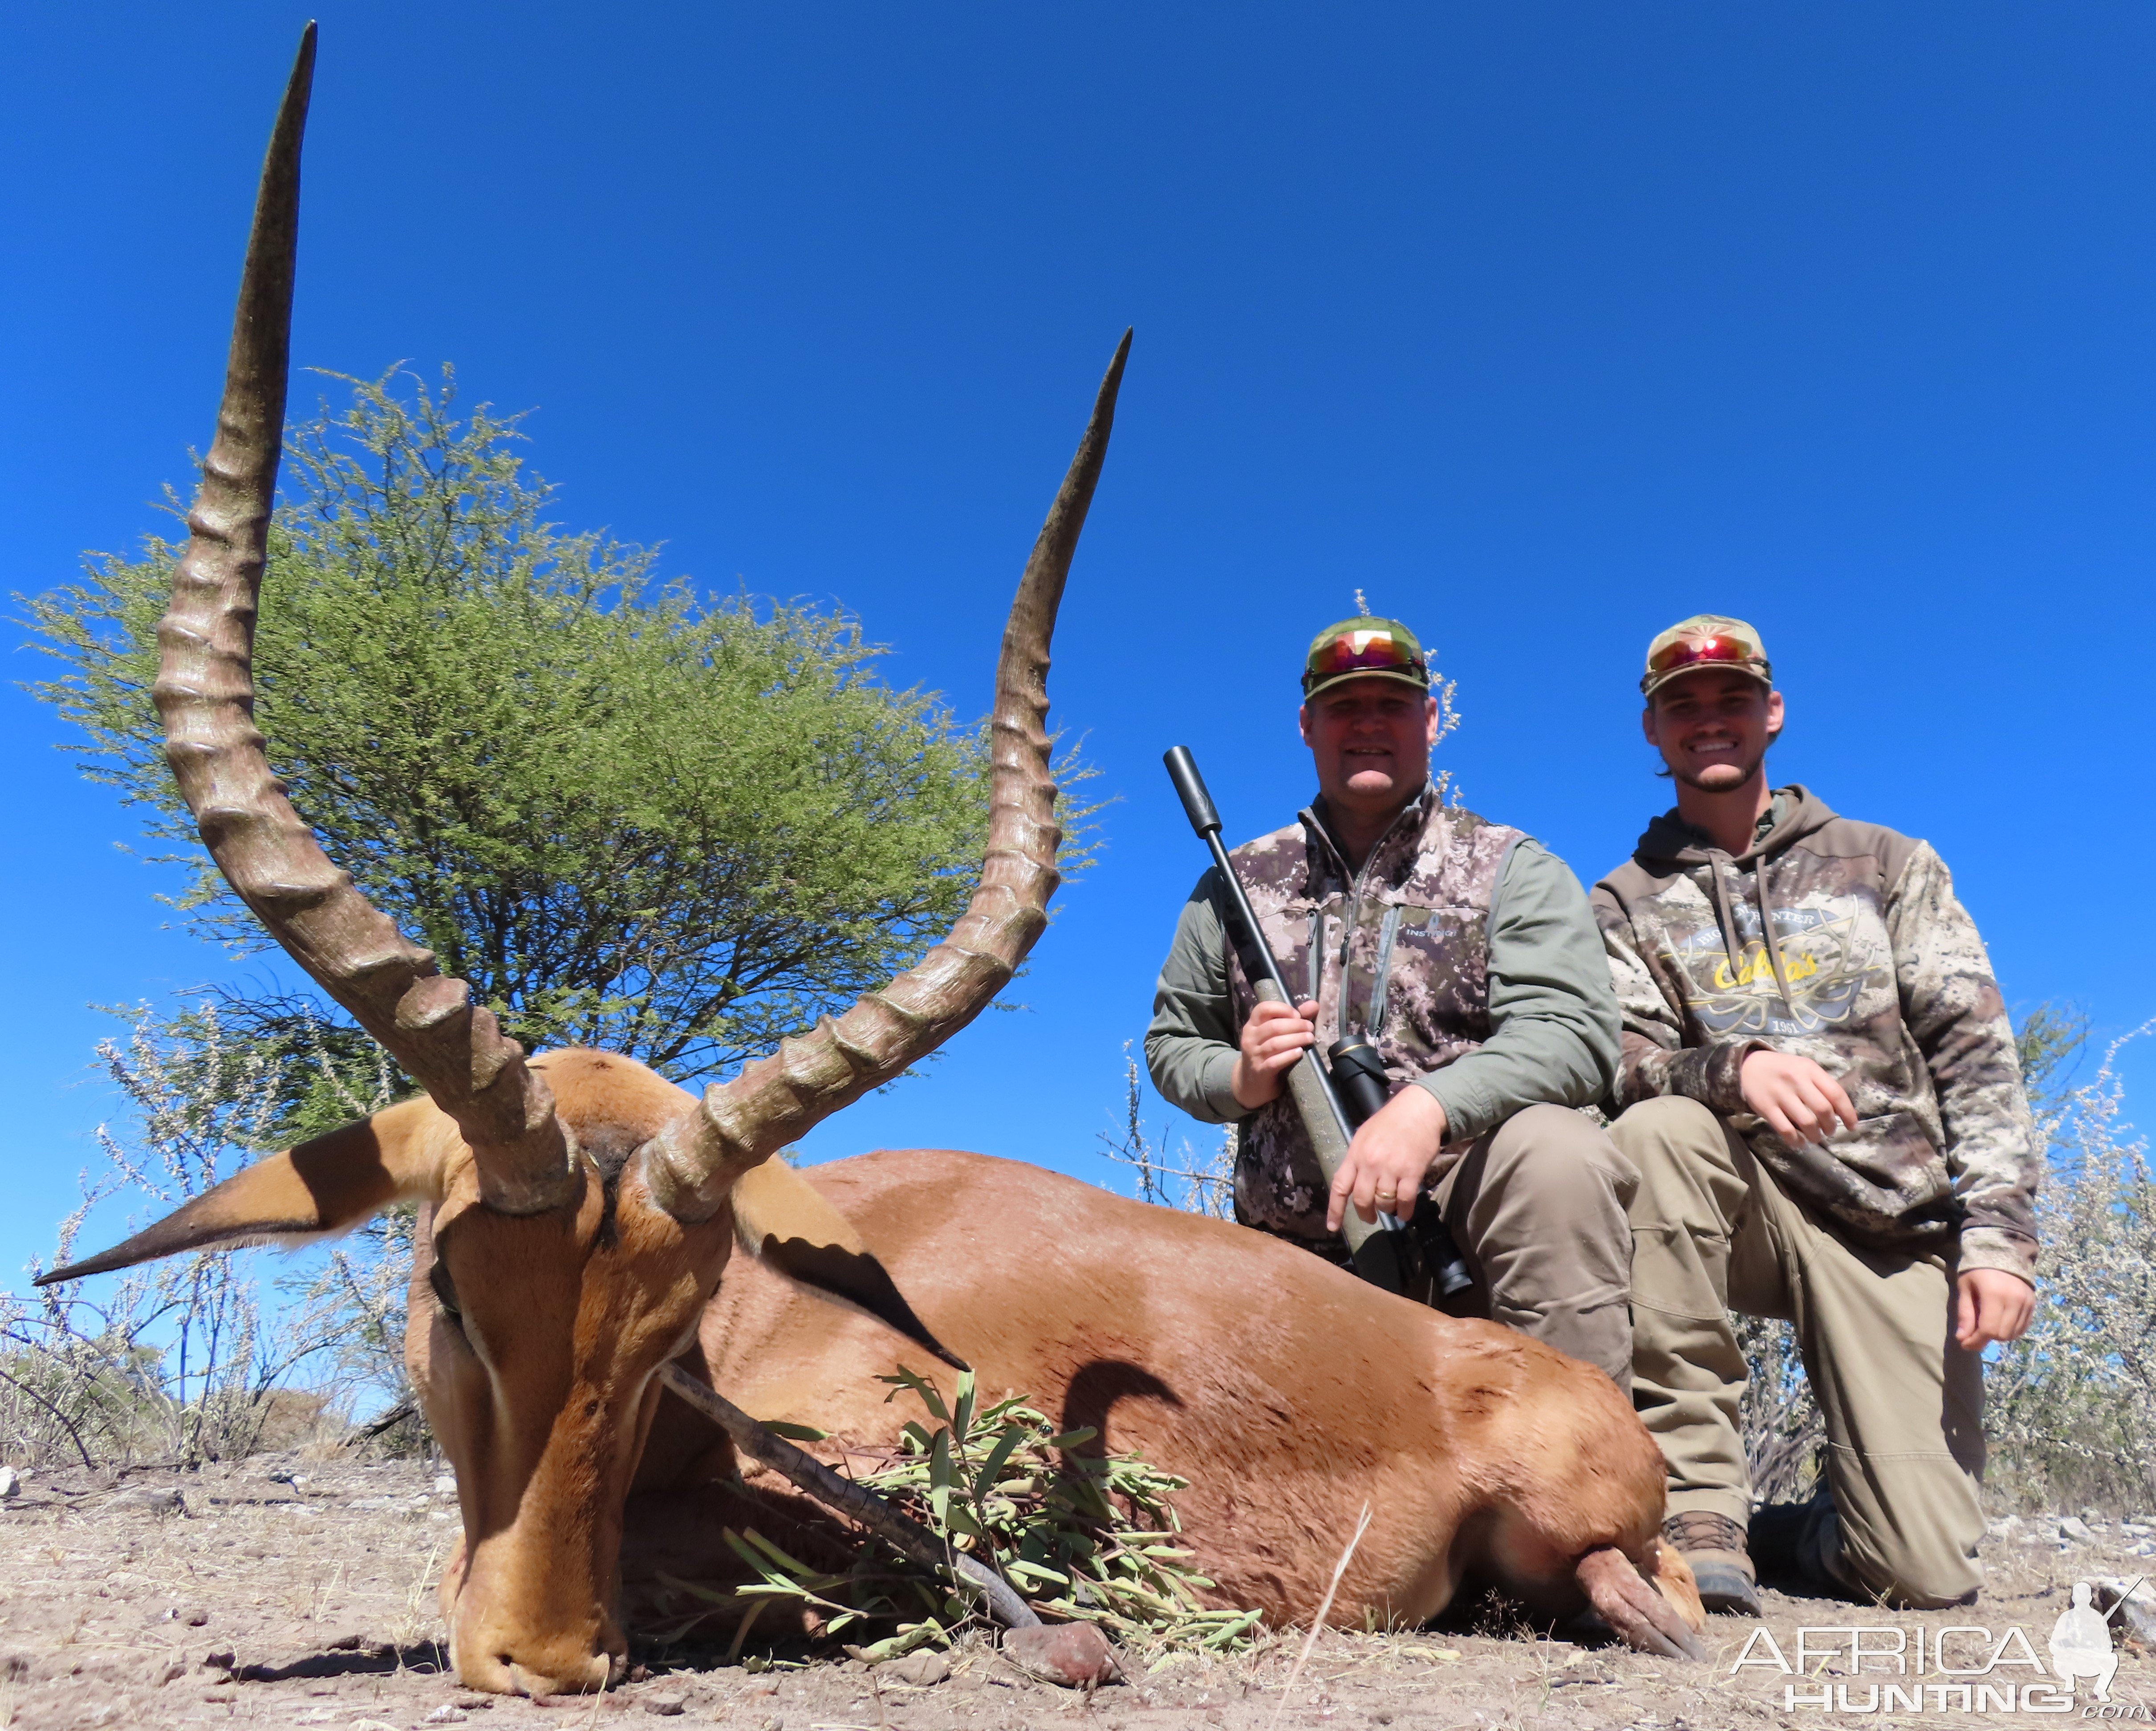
x: 1374, y: 1017
x: 1356, y: 881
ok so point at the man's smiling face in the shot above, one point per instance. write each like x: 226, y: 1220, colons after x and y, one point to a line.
x: 1371, y: 740
x: 1713, y: 727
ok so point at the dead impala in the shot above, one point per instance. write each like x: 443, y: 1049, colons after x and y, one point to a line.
x: 578, y: 1212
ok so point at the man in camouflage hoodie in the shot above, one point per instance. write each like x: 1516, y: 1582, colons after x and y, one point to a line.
x: 1467, y: 955
x: 1820, y: 1092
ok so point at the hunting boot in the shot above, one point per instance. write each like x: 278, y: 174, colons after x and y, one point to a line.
x: 1714, y: 1545
x: 1798, y: 1546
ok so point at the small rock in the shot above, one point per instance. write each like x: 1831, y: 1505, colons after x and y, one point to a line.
x: 150, y: 1501
x: 666, y: 1704
x: 11, y: 1482
x: 171, y: 1671
x: 1075, y: 1654
x: 2139, y: 1614
x: 367, y: 1505
x: 193, y: 1616
x: 2078, y: 1531
x: 445, y: 1484
x: 774, y: 1723
x: 918, y: 1671
x: 444, y: 1716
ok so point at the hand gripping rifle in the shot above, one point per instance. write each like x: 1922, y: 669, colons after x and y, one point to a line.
x: 1385, y: 1255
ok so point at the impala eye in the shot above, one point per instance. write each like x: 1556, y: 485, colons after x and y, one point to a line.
x: 445, y: 1292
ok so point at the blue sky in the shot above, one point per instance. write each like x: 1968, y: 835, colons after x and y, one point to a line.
x: 1545, y: 325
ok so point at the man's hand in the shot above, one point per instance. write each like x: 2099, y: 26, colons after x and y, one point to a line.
x: 1388, y: 1160
x: 1273, y: 1038
x: 1992, y: 1305
x: 1800, y: 1101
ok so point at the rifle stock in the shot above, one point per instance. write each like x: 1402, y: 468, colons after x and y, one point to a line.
x: 1373, y: 1249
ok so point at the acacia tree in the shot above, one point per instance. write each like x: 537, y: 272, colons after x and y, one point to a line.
x: 629, y: 816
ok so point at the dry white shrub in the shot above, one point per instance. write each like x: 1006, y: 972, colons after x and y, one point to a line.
x: 182, y: 1360
x: 2072, y: 1406
x: 1195, y: 1180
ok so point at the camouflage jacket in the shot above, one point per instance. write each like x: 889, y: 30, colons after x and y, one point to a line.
x: 1465, y: 953
x: 1843, y: 942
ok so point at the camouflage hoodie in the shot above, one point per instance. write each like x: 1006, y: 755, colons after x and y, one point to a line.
x: 1842, y: 942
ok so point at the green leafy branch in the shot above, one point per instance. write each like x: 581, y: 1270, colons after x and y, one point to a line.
x: 1086, y: 1537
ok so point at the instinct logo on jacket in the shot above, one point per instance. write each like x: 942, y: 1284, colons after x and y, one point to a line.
x: 1398, y: 952
x: 1842, y: 942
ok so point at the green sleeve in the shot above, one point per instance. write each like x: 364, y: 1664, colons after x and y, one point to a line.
x: 1191, y: 1046
x: 1553, y: 1021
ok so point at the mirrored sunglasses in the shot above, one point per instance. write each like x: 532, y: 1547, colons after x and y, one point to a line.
x: 1361, y: 652
x: 1725, y: 648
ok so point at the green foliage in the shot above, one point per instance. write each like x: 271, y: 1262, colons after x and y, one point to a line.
x: 2051, y: 1042
x: 1085, y: 1537
x: 630, y: 817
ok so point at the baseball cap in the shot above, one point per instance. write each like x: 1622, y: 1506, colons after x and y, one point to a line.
x: 1706, y: 639
x: 1364, y: 647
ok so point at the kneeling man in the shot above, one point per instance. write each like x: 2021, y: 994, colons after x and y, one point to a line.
x: 1822, y: 1097
x: 1467, y: 955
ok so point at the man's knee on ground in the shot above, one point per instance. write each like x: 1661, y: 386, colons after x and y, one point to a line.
x: 1912, y: 1577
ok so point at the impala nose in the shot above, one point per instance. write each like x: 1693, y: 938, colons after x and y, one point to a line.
x: 508, y: 1656
x: 596, y: 1671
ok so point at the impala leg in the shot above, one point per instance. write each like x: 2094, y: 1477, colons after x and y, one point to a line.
x: 1634, y: 1609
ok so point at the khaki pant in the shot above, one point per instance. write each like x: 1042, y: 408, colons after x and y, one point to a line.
x: 1537, y: 1206
x: 1712, y: 1232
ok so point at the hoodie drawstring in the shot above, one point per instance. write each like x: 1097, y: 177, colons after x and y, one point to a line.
x: 1727, y: 915
x: 1767, y: 932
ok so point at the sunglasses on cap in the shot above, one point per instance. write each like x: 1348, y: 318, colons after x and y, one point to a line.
x: 1723, y: 649
x: 1377, y: 651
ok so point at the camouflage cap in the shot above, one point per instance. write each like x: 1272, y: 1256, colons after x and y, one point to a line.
x: 1706, y: 639
x: 1363, y: 648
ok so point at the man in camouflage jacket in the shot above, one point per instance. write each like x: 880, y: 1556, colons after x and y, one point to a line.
x: 1467, y: 955
x: 1820, y: 1092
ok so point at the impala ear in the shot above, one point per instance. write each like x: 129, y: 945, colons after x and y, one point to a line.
x: 325, y: 1186
x: 782, y: 1219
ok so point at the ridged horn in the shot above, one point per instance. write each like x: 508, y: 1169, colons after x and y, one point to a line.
x: 692, y: 1162
x: 205, y: 693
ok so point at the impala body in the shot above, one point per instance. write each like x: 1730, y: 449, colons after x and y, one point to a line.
x: 580, y: 1213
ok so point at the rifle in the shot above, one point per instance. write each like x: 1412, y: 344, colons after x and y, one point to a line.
x: 1385, y: 1255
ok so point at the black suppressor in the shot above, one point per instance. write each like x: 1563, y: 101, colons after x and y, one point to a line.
x: 1359, y: 1077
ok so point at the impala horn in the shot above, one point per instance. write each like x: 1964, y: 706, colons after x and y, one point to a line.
x: 205, y: 693
x: 692, y: 1163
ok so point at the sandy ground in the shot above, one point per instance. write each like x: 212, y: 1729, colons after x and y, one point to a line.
x: 283, y: 1592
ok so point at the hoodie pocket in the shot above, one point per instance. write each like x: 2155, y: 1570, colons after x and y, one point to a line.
x: 1894, y: 1154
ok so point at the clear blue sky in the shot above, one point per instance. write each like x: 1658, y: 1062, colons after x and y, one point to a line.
x: 1545, y: 324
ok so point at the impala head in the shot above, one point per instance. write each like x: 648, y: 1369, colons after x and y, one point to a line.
x: 579, y: 1209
